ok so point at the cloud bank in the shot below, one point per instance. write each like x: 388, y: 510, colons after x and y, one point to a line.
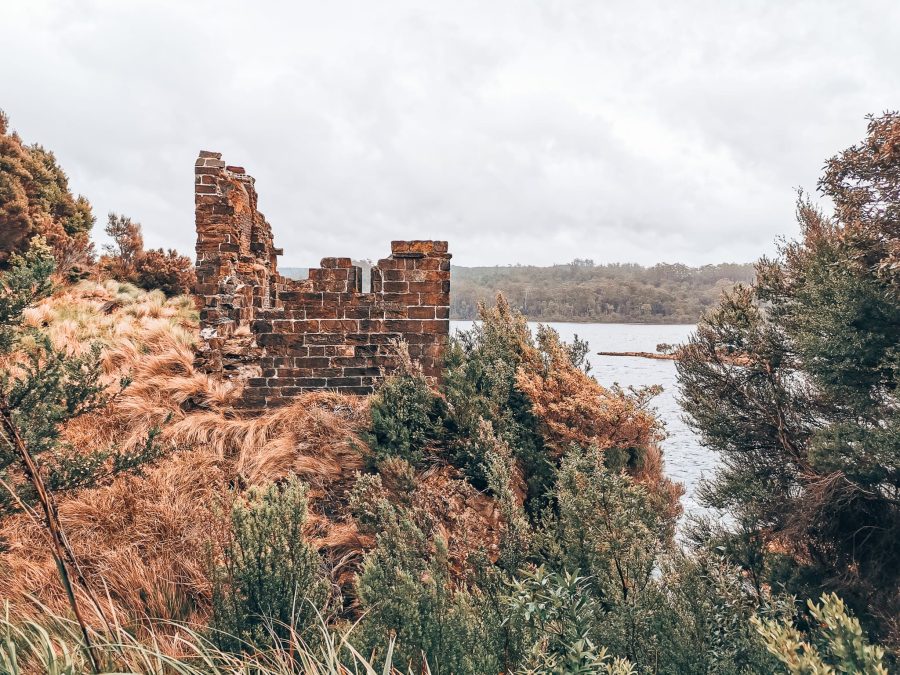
x: 522, y: 131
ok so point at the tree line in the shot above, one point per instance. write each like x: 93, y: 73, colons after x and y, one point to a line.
x: 610, y: 293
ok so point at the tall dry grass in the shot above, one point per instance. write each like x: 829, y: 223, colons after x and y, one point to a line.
x: 54, y: 645
x: 142, y: 541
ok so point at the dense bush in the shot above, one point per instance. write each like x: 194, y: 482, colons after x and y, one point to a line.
x: 407, y: 418
x: 480, y: 384
x: 835, y: 642
x: 267, y: 579
x: 168, y: 271
x: 406, y: 590
x: 539, y: 400
x: 126, y: 260
x: 35, y: 200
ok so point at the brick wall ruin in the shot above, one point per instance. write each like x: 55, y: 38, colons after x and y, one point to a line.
x: 285, y: 336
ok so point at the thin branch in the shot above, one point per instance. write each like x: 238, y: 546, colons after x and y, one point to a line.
x: 59, y: 545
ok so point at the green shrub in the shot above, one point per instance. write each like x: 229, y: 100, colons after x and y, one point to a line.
x: 480, y: 384
x: 835, y: 643
x: 703, y: 620
x: 407, y: 418
x: 267, y: 581
x: 406, y: 593
x: 561, y: 615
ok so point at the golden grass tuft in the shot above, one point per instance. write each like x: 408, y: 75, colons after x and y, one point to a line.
x: 142, y: 540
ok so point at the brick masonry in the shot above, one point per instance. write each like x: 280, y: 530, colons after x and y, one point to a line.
x: 285, y: 336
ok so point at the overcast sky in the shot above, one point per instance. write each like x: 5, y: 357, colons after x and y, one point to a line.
x: 520, y: 130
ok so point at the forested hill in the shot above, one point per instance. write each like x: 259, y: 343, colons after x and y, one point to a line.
x: 582, y: 291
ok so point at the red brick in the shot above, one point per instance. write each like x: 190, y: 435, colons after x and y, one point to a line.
x: 312, y: 333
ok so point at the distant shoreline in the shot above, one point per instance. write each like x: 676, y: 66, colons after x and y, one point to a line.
x: 630, y: 322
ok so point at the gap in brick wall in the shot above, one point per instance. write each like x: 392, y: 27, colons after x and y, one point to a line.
x: 300, y: 273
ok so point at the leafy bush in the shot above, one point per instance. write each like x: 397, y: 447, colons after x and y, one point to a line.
x: 480, y: 384
x: 702, y: 619
x: 561, y: 614
x: 35, y: 200
x: 538, y: 398
x: 126, y: 260
x: 406, y: 592
x: 407, y: 418
x: 267, y: 581
x: 168, y: 271
x: 835, y: 643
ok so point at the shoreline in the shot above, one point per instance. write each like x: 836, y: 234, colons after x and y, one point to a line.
x: 595, y: 322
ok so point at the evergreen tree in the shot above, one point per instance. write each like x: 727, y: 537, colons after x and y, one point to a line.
x: 35, y: 200
x: 794, y: 381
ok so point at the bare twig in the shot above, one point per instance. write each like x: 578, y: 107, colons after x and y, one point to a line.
x: 59, y: 545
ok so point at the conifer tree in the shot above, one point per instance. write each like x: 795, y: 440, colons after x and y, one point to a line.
x: 795, y: 381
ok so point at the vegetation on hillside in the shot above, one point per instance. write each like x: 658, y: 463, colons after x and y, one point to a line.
x: 583, y: 291
x: 515, y: 517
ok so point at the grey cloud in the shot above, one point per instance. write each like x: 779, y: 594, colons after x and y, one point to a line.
x: 528, y: 132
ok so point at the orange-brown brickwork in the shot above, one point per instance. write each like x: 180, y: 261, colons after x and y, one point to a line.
x: 284, y: 336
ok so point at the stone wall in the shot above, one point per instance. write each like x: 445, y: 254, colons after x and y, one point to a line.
x: 285, y: 336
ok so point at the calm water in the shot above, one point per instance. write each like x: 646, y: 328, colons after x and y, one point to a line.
x: 686, y: 460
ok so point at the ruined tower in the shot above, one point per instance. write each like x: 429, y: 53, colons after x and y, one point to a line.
x: 285, y: 336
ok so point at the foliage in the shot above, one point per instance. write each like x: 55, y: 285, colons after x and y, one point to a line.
x: 406, y: 591
x: 605, y: 525
x: 480, y: 384
x: 583, y: 291
x: 42, y: 388
x: 168, y: 271
x: 807, y: 418
x: 127, y: 245
x: 267, y: 582
x: 539, y: 400
x: 35, y: 200
x: 407, y: 417
x: 561, y: 614
x: 574, y: 409
x: 701, y: 623
x: 835, y: 643
x: 126, y: 260
x: 662, y: 609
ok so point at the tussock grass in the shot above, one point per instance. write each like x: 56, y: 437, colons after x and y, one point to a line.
x: 55, y: 646
x: 143, y: 541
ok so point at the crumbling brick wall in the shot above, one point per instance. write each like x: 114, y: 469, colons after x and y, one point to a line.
x: 285, y: 336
